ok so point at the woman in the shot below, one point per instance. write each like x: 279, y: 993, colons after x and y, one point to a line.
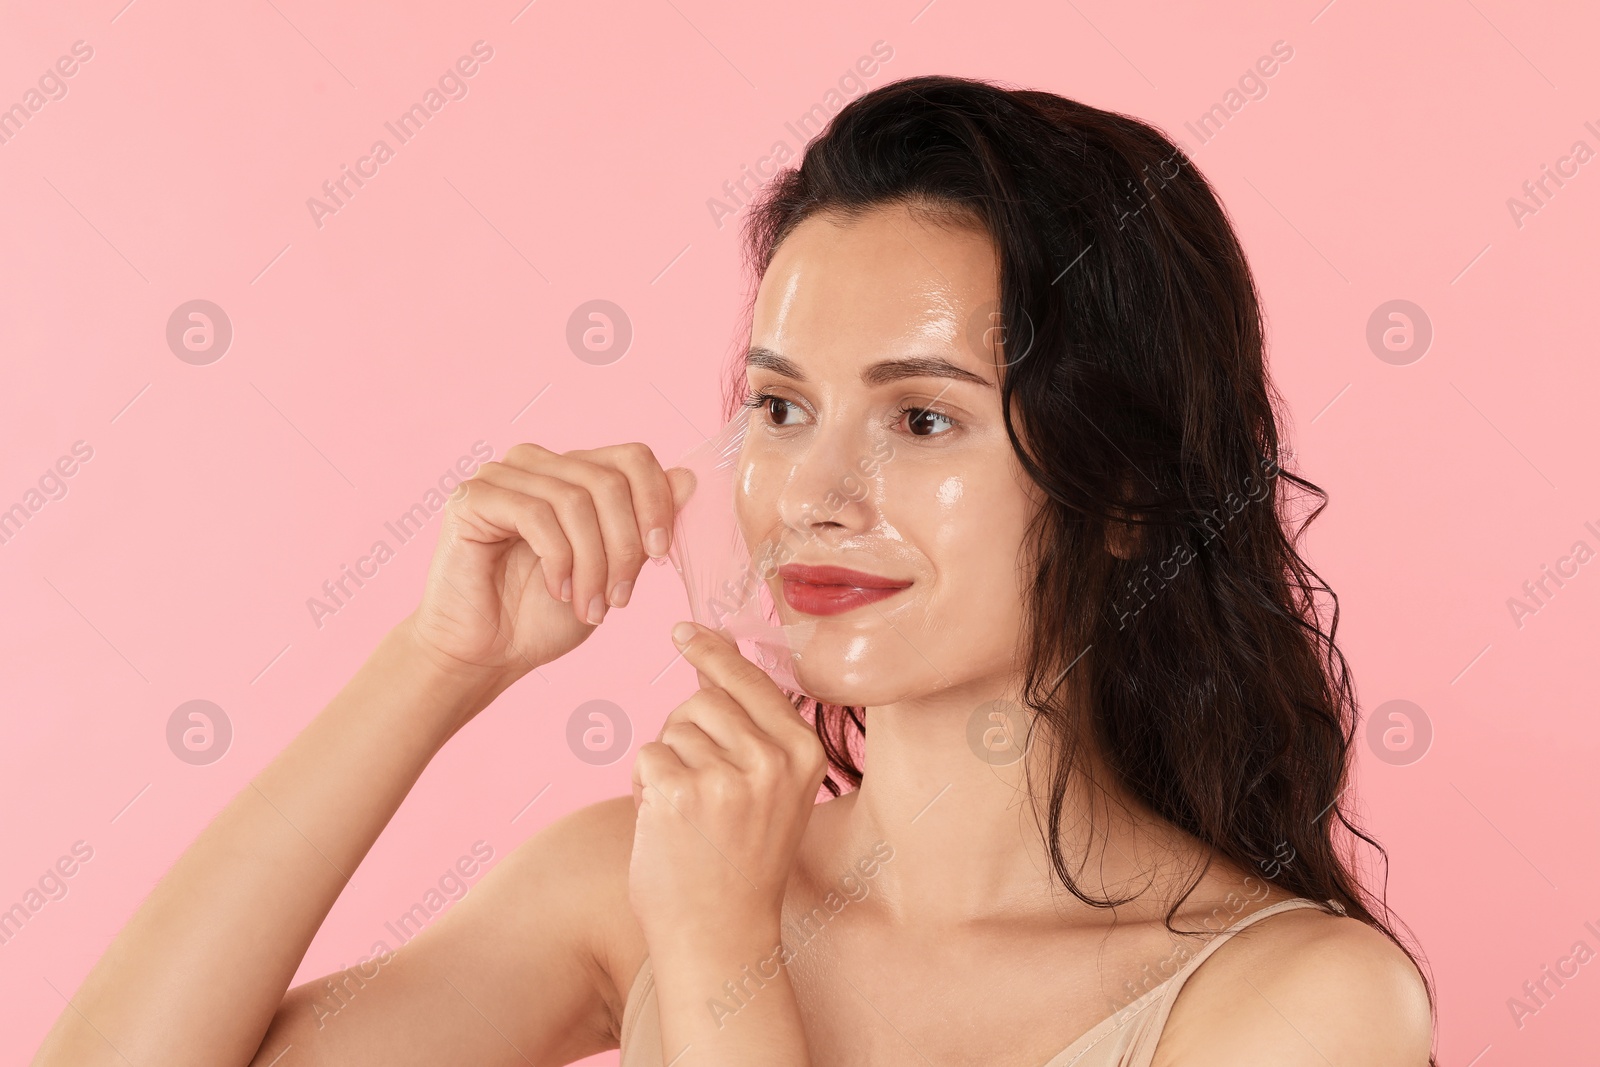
x: 1097, y: 817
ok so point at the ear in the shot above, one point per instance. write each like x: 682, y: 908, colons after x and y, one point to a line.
x: 1123, y: 539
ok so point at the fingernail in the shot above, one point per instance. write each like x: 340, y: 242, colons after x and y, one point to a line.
x: 597, y: 609
x: 566, y: 591
x: 620, y: 593
x: 682, y: 632
x: 655, y: 542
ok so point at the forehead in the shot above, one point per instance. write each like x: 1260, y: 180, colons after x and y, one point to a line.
x: 892, y: 280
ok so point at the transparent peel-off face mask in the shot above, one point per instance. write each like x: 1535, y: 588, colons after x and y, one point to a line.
x: 729, y: 583
x: 826, y: 495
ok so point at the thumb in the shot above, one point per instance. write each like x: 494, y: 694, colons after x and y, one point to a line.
x: 682, y: 480
x: 722, y: 635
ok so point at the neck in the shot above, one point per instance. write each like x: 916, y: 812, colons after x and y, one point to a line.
x: 967, y: 831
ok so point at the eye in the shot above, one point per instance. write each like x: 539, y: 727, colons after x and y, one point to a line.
x: 776, y: 406
x: 781, y: 411
x: 924, y: 417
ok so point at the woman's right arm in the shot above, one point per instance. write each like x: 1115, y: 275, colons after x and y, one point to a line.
x: 198, y: 973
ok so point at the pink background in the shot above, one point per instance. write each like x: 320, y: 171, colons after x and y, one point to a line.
x: 370, y: 353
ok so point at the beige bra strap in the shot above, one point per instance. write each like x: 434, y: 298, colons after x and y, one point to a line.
x: 1143, y: 1050
x: 638, y: 992
x: 1224, y: 934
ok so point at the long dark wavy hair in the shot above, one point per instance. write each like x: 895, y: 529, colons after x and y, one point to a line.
x: 1194, y: 657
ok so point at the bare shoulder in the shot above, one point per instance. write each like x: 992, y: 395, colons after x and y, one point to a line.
x: 1302, y: 987
x: 556, y: 909
x: 593, y: 843
x: 581, y: 861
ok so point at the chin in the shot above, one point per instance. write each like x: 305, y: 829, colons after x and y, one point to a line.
x: 852, y: 686
x: 848, y: 672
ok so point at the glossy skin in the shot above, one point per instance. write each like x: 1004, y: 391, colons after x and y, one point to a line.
x: 954, y: 950
x: 945, y: 495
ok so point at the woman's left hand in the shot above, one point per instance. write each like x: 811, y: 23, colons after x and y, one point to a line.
x: 723, y: 799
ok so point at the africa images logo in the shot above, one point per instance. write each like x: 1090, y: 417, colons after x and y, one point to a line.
x: 451, y: 85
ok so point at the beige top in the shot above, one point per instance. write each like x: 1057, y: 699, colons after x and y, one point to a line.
x: 1126, y: 1038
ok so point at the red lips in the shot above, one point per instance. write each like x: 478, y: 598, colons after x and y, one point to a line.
x: 827, y: 590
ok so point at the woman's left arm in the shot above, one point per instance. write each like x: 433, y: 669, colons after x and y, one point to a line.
x: 723, y: 800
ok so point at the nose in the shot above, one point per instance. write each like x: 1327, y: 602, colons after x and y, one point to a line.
x: 825, y: 493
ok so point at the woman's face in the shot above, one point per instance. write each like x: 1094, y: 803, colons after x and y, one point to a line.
x: 879, y: 447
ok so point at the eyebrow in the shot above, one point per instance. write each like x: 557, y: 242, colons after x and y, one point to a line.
x: 881, y: 373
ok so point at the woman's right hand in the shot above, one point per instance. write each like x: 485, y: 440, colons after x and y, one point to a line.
x: 493, y: 609
x: 534, y: 549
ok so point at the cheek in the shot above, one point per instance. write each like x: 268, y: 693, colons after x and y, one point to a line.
x: 757, y: 489
x: 971, y: 526
x: 974, y: 526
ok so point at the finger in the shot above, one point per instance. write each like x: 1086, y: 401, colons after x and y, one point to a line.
x: 693, y: 745
x: 632, y: 498
x: 657, y: 493
x: 720, y: 663
x: 723, y: 719
x: 583, y: 520
x: 624, y: 551
x: 684, y: 484
x: 487, y: 513
x: 657, y: 768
